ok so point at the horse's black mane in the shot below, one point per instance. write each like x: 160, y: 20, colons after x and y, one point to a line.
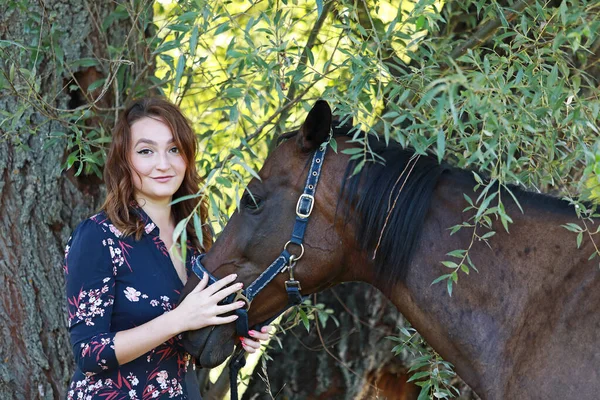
x: 391, y: 232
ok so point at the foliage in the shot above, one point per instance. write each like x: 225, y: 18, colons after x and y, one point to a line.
x: 434, y: 375
x: 507, y: 88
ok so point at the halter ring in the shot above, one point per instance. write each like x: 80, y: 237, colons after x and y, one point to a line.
x: 240, y: 296
x: 296, y: 258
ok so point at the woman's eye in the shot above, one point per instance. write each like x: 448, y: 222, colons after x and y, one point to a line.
x: 251, y: 202
x: 174, y: 150
x: 144, y: 151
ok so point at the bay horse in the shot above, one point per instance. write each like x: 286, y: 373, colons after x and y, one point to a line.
x: 526, y: 326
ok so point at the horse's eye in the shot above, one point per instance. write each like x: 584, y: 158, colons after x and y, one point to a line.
x: 251, y: 202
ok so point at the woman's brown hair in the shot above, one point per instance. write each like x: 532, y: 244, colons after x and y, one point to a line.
x: 118, y: 172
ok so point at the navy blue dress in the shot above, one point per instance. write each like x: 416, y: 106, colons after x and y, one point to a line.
x: 116, y: 283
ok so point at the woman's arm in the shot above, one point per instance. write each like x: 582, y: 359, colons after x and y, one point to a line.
x: 198, y: 310
x: 90, y: 288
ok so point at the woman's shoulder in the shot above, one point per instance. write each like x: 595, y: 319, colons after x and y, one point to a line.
x: 98, y: 225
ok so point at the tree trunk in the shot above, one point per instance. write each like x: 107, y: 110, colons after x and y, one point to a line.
x: 39, y: 204
x: 359, y: 363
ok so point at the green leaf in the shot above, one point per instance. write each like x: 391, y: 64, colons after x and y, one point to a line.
x: 85, y: 62
x: 319, y: 7
x: 179, y: 70
x: 441, y: 145
x: 418, y: 376
x: 457, y: 253
x: 178, y: 229
x: 333, y: 144
x: 488, y: 235
x: 247, y: 168
x: 194, y: 41
x: 198, y: 227
x: 96, y: 84
x: 440, y: 278
x: 450, y: 264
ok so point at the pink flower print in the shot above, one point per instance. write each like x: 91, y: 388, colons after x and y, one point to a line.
x: 132, y: 294
x: 149, y: 227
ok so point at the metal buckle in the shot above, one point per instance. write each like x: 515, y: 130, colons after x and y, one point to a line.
x: 294, y: 283
x: 311, y: 200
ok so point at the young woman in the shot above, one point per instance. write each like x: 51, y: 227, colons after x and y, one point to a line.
x: 124, y: 273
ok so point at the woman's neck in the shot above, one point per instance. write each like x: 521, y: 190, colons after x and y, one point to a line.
x: 159, y: 212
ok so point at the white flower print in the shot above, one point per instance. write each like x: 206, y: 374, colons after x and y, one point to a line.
x: 114, y: 230
x: 132, y: 294
x: 133, y: 379
x: 162, y: 376
x: 88, y: 305
x: 154, y: 303
x: 116, y: 256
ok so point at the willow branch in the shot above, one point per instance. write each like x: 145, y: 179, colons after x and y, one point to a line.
x: 487, y: 30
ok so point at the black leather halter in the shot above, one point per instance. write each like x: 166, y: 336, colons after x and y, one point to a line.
x: 285, y: 262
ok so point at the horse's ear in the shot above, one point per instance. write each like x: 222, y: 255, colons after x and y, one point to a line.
x: 316, y: 128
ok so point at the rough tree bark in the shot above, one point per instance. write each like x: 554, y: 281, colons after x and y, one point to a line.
x: 365, y: 367
x: 39, y: 204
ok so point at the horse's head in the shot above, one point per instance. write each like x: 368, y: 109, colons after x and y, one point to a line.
x: 257, y: 233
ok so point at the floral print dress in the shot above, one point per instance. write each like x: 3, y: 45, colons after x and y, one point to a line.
x: 116, y: 283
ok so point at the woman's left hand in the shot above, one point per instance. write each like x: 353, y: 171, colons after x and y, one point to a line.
x: 251, y: 345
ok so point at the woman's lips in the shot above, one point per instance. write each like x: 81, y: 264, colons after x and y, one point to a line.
x: 163, y: 179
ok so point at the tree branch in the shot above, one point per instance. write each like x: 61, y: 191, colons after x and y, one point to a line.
x: 312, y: 38
x: 485, y: 31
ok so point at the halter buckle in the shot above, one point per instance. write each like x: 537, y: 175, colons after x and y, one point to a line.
x: 292, y: 284
x: 300, y: 205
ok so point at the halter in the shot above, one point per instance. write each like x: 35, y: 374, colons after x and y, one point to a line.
x: 286, y: 261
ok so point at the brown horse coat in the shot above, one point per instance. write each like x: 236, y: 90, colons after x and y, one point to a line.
x: 527, y: 326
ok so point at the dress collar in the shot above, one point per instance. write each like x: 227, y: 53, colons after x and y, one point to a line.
x: 149, y: 226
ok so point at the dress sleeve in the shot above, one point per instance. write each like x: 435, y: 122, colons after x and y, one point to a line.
x: 90, y: 295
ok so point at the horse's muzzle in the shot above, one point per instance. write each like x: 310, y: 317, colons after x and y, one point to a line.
x: 211, y: 345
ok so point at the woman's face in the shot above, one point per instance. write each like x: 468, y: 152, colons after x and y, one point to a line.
x: 158, y: 168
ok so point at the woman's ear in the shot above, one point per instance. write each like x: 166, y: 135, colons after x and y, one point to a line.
x: 316, y: 128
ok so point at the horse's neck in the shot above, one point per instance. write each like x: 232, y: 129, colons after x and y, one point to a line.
x: 478, y: 328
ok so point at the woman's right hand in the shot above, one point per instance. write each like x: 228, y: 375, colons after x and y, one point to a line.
x: 200, y: 308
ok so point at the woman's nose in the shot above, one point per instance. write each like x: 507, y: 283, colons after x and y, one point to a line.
x: 163, y: 162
